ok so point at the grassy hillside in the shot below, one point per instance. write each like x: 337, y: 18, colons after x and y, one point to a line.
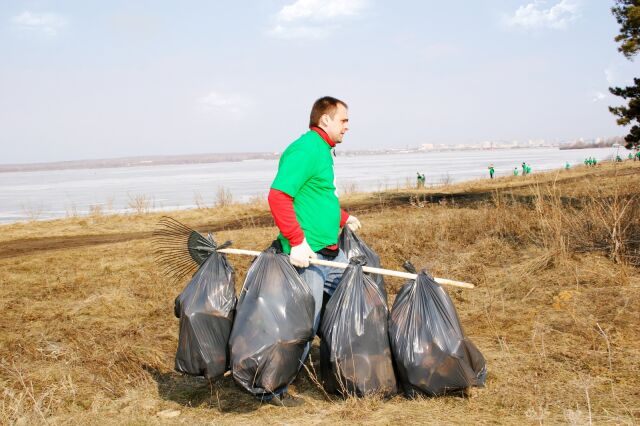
x: 88, y: 333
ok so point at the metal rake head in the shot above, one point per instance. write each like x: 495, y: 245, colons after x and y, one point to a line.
x: 180, y: 250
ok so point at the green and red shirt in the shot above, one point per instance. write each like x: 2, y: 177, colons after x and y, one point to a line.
x: 306, y: 178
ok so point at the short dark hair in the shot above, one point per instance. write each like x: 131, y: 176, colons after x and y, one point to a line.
x: 324, y: 105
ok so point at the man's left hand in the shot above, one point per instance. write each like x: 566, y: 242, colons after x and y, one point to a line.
x: 353, y: 223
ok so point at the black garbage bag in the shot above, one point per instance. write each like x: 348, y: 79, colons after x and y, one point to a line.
x: 432, y: 355
x: 274, y: 322
x: 205, y: 308
x: 353, y: 246
x: 355, y: 357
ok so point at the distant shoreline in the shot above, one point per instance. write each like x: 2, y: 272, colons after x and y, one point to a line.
x: 165, y: 160
x: 155, y: 160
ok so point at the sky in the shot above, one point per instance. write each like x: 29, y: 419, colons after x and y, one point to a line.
x: 91, y: 79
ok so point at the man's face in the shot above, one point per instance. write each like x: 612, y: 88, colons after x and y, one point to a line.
x: 337, y: 126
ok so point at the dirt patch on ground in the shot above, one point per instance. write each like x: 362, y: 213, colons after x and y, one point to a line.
x: 26, y: 246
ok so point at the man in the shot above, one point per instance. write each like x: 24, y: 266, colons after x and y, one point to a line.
x: 491, y: 171
x: 305, y: 207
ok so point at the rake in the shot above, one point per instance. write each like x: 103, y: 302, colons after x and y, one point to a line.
x: 181, y: 250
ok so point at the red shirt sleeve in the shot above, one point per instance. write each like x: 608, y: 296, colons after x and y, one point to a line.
x: 281, y: 206
x: 343, y: 218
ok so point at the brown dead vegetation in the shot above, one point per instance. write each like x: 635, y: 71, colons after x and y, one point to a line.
x: 87, y: 333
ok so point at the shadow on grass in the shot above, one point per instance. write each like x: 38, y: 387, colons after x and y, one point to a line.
x: 220, y: 394
x: 224, y: 395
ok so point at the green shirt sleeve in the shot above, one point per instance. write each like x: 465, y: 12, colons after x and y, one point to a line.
x: 295, y: 169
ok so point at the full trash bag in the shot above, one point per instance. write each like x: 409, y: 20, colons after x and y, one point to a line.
x: 353, y: 246
x: 431, y: 352
x: 274, y: 322
x: 205, y: 308
x: 355, y: 357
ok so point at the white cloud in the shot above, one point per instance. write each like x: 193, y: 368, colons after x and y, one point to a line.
x: 534, y: 16
x: 320, y: 10
x: 46, y: 23
x: 610, y: 75
x: 300, y: 19
x: 598, y: 96
x: 308, y: 32
x: 230, y: 103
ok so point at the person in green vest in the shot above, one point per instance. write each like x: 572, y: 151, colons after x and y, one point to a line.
x: 630, y: 156
x: 637, y: 156
x: 618, y: 159
x: 305, y: 208
x: 594, y: 161
x: 567, y: 166
x: 528, y: 168
x: 491, y: 171
x: 515, y: 171
x: 420, y: 178
x: 524, y: 168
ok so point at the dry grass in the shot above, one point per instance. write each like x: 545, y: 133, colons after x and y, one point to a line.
x: 88, y: 334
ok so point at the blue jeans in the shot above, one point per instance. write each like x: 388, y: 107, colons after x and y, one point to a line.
x: 320, y: 279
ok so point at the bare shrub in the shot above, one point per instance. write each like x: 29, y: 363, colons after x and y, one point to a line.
x: 32, y: 211
x: 224, y: 197
x: 445, y: 179
x: 258, y: 200
x: 139, y: 203
x: 553, y: 219
x: 605, y: 220
x: 108, y: 205
x: 618, y: 215
x: 409, y: 183
x: 349, y: 188
x: 199, y: 201
x: 95, y: 210
x: 72, y: 210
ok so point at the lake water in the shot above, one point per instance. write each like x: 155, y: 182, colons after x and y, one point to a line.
x: 59, y: 193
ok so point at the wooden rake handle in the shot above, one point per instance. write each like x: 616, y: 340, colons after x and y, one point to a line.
x: 380, y: 271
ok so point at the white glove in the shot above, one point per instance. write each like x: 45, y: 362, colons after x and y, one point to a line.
x: 353, y: 223
x: 300, y: 254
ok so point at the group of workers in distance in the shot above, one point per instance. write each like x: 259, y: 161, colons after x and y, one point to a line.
x: 631, y: 156
x: 526, y: 169
x: 590, y: 161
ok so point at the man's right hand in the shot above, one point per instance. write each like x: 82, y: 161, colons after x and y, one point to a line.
x: 301, y: 254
